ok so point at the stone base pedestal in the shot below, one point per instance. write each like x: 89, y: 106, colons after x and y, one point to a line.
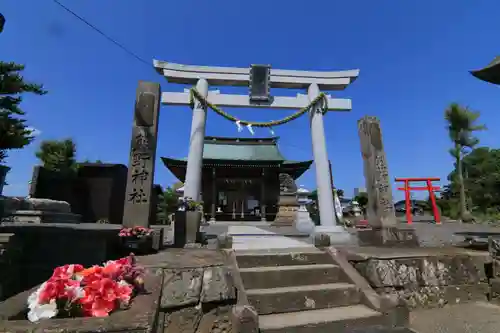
x: 186, y: 228
x: 40, y: 216
x: 388, y: 237
x: 287, y: 211
x: 304, y: 223
x: 337, y: 234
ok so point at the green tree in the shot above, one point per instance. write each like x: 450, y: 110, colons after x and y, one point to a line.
x: 58, y: 156
x: 14, y: 133
x: 167, y: 204
x: 482, y: 183
x: 362, y: 200
x: 314, y: 194
x: 461, y: 124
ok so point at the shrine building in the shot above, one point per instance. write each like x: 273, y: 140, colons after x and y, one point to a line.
x: 240, y: 177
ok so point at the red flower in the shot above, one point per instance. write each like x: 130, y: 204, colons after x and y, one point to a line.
x: 66, y: 271
x: 103, y: 296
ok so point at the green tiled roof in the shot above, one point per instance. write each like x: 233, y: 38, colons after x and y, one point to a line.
x: 241, y: 152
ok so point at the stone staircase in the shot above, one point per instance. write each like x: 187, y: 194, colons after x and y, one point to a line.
x: 303, y: 291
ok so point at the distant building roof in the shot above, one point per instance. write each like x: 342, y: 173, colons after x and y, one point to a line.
x: 490, y: 73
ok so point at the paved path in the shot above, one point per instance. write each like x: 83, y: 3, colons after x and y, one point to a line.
x: 477, y: 317
x: 253, y: 238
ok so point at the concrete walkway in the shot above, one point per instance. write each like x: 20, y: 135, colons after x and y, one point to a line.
x: 254, y: 238
x: 477, y: 317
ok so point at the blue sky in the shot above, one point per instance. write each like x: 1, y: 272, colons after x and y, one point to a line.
x: 414, y: 58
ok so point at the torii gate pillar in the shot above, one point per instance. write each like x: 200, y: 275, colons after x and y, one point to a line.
x: 195, y: 156
x: 322, y: 165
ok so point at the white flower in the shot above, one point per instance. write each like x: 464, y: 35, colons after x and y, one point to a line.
x: 43, y: 311
x: 33, y: 298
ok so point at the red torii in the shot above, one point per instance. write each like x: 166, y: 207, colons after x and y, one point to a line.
x: 431, y: 189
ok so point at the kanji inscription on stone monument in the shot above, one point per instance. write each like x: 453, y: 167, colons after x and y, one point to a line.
x: 380, y: 208
x: 137, y: 210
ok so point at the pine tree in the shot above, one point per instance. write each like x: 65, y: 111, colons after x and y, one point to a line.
x: 14, y: 133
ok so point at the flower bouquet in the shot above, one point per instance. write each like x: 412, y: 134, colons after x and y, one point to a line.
x: 75, y: 291
x: 135, y: 232
x: 137, y: 239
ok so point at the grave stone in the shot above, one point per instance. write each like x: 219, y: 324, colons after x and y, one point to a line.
x: 380, y: 209
x: 139, y: 190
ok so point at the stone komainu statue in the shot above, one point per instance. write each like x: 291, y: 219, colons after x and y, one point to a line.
x: 287, y: 184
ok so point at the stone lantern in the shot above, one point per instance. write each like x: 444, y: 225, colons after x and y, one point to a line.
x: 490, y: 73
x: 304, y: 222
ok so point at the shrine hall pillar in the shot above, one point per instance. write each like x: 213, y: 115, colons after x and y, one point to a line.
x: 263, y: 196
x: 215, y: 198
x: 321, y: 162
x: 192, y: 187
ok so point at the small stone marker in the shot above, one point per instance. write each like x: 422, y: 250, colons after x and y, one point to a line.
x: 138, y: 203
x: 380, y: 208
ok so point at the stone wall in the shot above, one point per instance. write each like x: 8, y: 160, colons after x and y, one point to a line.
x: 30, y: 252
x: 10, y: 251
x: 428, y: 281
x: 198, y: 290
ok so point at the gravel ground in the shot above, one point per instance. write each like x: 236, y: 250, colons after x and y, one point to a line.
x: 443, y: 235
x: 429, y: 234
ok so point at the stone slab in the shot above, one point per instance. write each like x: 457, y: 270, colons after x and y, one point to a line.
x: 388, y: 237
x: 40, y: 216
x: 217, y: 285
x: 303, y: 298
x: 181, y: 287
x: 182, y: 258
x: 354, y: 253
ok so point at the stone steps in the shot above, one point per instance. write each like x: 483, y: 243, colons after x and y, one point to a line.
x: 289, y: 276
x: 338, y: 320
x: 303, y: 291
x: 296, y: 257
x: 302, y: 298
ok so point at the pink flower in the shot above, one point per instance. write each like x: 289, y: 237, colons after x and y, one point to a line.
x: 66, y: 271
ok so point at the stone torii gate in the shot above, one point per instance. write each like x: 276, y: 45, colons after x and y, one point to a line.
x: 260, y: 79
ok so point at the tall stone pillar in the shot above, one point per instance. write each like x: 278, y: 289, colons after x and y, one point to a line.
x: 323, y: 182
x: 381, y: 213
x: 380, y: 208
x: 192, y: 187
x: 325, y: 193
x: 141, y: 168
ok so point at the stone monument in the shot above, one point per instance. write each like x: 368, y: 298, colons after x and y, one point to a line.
x: 138, y: 208
x: 288, y: 205
x: 380, y: 209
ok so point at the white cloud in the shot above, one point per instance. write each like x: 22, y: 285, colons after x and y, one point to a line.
x: 34, y: 131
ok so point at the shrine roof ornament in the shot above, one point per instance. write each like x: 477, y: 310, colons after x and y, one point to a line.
x: 490, y: 73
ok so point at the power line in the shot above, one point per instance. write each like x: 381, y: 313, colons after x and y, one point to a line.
x: 100, y: 32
